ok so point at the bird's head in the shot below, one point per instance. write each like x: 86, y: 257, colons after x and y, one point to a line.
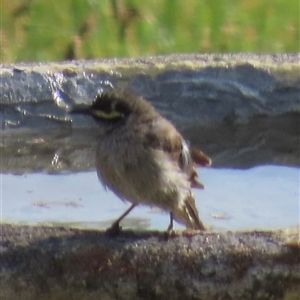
x: 116, y: 108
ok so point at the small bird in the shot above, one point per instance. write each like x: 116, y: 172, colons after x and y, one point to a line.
x: 143, y: 159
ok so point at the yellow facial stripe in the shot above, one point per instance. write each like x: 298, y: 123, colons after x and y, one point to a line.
x: 108, y: 116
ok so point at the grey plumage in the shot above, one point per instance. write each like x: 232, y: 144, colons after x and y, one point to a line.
x: 143, y: 159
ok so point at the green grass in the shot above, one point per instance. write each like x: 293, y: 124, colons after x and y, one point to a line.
x: 40, y: 30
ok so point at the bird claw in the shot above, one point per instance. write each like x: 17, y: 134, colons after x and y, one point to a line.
x: 170, y: 228
x: 114, y: 229
x: 170, y: 231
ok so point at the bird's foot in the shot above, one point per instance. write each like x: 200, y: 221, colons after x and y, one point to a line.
x: 114, y: 229
x: 170, y: 232
x: 170, y: 227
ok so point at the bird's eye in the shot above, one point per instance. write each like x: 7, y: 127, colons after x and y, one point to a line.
x: 113, y: 115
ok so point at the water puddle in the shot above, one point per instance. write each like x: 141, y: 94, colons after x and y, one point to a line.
x: 261, y: 198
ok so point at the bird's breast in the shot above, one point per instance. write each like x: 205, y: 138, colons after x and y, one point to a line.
x: 139, y: 174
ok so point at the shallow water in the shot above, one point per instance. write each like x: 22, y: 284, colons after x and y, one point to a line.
x: 260, y: 198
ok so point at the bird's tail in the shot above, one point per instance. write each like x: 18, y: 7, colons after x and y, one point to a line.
x: 188, y: 214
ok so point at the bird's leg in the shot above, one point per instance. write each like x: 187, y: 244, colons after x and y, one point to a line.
x: 170, y: 231
x: 171, y: 225
x: 115, y: 227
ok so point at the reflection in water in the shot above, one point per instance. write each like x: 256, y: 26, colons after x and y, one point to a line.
x: 259, y: 198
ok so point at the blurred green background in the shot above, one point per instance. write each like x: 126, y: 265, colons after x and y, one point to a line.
x: 44, y: 30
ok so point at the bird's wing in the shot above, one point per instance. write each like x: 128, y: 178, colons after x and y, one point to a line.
x: 163, y: 135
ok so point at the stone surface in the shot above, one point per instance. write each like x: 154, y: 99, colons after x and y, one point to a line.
x: 242, y: 109
x: 61, y: 263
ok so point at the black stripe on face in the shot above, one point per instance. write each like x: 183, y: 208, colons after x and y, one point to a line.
x: 104, y: 104
x: 110, y: 104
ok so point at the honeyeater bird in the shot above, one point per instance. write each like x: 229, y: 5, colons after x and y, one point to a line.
x: 143, y: 159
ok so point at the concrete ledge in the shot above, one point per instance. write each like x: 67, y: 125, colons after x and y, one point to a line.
x: 60, y: 263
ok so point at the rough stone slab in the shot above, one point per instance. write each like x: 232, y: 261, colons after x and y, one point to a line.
x: 242, y: 109
x: 61, y: 263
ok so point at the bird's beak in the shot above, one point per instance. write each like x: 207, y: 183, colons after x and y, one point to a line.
x: 83, y: 109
